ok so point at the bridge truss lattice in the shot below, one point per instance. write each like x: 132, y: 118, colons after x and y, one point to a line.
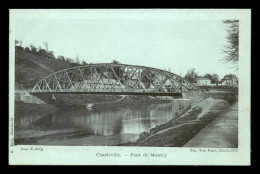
x: 113, y: 78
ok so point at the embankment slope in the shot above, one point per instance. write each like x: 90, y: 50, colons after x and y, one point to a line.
x: 31, y: 67
x: 178, y: 131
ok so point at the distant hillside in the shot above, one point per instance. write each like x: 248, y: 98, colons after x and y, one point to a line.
x: 31, y: 67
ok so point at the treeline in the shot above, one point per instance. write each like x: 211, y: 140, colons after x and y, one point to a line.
x: 191, y: 75
x: 45, y: 52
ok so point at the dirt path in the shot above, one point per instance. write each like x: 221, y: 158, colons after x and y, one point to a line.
x: 220, y: 133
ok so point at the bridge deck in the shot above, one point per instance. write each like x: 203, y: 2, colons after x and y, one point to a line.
x: 115, y: 93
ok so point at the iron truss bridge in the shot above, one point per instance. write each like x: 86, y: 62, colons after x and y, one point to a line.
x: 113, y: 79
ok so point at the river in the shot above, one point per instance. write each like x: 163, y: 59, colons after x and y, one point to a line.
x: 100, y: 127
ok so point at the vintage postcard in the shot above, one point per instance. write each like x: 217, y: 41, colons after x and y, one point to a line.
x: 129, y: 87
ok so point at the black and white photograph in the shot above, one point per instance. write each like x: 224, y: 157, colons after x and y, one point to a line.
x: 146, y: 79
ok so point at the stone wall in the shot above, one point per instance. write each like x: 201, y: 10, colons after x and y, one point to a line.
x: 26, y: 97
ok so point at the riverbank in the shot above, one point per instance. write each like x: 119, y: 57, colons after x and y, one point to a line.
x: 133, y: 101
x: 178, y: 131
x: 30, y: 109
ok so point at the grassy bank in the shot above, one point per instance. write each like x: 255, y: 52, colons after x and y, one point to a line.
x: 178, y: 131
x: 31, y: 67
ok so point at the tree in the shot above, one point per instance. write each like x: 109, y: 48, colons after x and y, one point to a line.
x: 16, y: 42
x: 115, y: 62
x: 43, y: 52
x: 27, y: 49
x: 83, y: 62
x: 215, y: 78
x: 33, y: 49
x: 191, y: 75
x: 232, y: 48
x: 77, y: 60
x: 208, y: 76
x: 70, y: 60
x: 21, y: 42
x: 61, y: 58
x: 51, y: 54
x: 46, y: 45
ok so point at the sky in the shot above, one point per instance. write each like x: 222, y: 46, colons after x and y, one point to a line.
x: 177, y: 45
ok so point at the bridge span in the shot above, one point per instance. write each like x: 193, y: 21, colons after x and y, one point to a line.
x: 75, y: 85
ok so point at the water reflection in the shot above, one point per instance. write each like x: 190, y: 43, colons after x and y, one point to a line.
x: 111, y: 121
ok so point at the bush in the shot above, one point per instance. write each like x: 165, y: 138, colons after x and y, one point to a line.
x: 51, y: 55
x: 84, y: 63
x: 18, y: 48
x: 43, y: 52
x: 27, y: 49
x: 61, y: 58
x: 70, y: 60
x: 33, y: 49
x: 231, y: 98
